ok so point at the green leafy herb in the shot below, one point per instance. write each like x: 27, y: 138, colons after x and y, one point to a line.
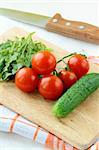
x: 17, y: 54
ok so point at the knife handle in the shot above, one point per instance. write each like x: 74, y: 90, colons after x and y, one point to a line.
x: 73, y: 29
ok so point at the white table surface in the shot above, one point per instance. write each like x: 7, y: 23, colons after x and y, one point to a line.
x: 87, y: 11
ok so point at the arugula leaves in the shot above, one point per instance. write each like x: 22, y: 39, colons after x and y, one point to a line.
x: 17, y: 54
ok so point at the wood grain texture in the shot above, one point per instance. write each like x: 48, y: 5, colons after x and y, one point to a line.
x: 80, y: 128
x: 73, y: 29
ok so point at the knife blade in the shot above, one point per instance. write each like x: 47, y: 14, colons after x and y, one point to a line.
x: 57, y: 24
x: 25, y: 17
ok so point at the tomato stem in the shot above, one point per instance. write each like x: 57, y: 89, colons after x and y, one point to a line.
x: 40, y: 76
x: 55, y: 73
x: 64, y: 62
x: 67, y: 67
x: 84, y: 55
x: 62, y: 59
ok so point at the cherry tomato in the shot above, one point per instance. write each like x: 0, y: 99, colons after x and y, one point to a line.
x: 68, y: 78
x: 43, y: 62
x: 79, y: 65
x: 26, y: 79
x: 50, y: 87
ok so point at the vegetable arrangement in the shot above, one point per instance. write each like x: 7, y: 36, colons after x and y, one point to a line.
x: 34, y: 66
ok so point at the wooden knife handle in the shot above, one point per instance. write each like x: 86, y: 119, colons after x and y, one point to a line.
x: 73, y: 29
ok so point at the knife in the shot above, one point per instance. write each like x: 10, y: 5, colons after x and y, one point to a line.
x: 57, y: 24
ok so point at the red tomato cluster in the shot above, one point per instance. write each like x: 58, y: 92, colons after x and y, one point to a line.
x: 50, y: 86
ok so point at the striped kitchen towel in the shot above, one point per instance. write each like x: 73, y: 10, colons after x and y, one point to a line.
x: 13, y: 122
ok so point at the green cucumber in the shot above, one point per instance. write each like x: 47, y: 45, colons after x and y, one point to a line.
x: 76, y: 94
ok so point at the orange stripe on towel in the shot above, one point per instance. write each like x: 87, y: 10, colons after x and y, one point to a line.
x: 97, y: 146
x: 64, y: 146
x: 35, y: 135
x: 49, y: 140
x: 58, y: 143
x: 13, y: 122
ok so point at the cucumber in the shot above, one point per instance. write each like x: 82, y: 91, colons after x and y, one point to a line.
x: 76, y: 94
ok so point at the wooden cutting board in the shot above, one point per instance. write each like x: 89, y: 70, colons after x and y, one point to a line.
x: 80, y: 128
